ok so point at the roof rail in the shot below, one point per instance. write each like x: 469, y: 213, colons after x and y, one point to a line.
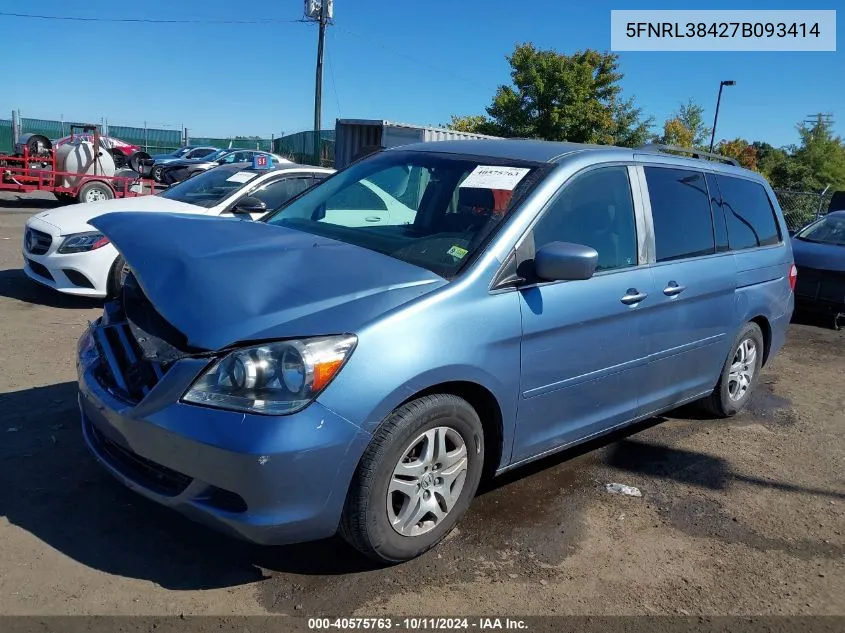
x: 695, y: 153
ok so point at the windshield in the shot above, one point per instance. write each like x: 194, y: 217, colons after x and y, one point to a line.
x: 180, y: 152
x: 828, y: 230
x: 432, y: 210
x: 209, y: 187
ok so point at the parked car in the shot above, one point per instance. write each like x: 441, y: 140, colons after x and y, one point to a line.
x: 64, y: 251
x: 820, y: 258
x: 180, y: 169
x: 120, y: 150
x: 189, y: 152
x: 307, y: 373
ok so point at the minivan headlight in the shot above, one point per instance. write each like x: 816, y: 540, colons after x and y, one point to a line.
x: 83, y: 242
x: 274, y: 378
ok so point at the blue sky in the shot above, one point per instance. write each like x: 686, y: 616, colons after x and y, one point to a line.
x: 417, y: 62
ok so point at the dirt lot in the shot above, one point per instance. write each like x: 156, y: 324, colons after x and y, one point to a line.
x: 737, y: 517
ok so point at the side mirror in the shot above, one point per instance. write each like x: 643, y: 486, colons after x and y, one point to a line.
x: 560, y: 261
x: 249, y: 204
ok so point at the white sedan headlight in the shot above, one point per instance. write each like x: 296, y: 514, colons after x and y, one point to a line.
x: 83, y: 242
x: 274, y: 378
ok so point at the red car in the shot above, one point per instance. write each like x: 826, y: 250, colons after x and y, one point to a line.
x: 120, y: 150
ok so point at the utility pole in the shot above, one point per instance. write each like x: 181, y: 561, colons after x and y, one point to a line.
x: 320, y: 11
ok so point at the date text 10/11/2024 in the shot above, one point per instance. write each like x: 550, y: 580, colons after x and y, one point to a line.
x: 418, y: 624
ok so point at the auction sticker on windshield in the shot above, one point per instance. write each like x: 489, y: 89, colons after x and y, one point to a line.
x: 492, y: 177
x: 241, y: 176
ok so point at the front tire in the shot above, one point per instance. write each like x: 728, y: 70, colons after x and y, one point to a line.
x: 119, y: 158
x: 415, y: 480
x: 117, y: 275
x: 740, y: 374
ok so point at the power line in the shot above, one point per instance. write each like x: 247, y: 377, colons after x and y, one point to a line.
x: 334, y: 85
x: 144, y: 20
x: 442, y: 71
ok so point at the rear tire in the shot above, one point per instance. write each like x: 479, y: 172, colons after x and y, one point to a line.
x: 95, y: 191
x: 740, y: 374
x: 415, y: 480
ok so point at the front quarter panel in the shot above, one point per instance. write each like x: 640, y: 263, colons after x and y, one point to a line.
x: 459, y: 333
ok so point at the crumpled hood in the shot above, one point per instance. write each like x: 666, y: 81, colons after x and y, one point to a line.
x: 222, y: 281
x: 815, y: 255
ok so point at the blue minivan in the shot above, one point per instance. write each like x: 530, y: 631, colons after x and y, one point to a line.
x: 360, y: 358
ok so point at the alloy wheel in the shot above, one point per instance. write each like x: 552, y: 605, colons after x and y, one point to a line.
x: 427, y: 481
x: 743, y: 366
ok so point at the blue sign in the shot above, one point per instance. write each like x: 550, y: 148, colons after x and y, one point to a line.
x: 261, y: 161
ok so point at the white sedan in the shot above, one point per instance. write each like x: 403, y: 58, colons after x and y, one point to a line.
x: 62, y: 251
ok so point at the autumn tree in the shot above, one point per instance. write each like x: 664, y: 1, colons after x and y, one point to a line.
x: 560, y: 97
x: 740, y: 149
x: 686, y: 127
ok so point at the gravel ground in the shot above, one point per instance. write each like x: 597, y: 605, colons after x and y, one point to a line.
x: 737, y: 517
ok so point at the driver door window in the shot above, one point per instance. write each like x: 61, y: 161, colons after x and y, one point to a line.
x: 595, y: 209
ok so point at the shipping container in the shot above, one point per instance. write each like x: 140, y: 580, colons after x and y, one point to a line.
x: 352, y: 136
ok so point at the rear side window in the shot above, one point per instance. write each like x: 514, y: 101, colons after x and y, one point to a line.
x: 680, y: 209
x: 749, y: 213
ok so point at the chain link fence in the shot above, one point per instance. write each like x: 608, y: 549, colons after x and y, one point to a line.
x: 802, y: 207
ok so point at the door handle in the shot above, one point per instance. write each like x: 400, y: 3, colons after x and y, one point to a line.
x: 633, y: 296
x: 373, y: 218
x: 673, y: 289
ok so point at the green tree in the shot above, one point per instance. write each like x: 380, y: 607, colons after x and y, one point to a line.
x: 686, y: 127
x: 477, y: 124
x: 560, y: 97
x: 822, y: 154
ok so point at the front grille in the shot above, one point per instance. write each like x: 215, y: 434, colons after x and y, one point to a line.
x: 820, y: 285
x: 145, y: 471
x: 123, y: 370
x: 37, y: 242
x: 39, y: 270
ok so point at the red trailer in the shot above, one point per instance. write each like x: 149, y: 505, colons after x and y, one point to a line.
x: 35, y: 167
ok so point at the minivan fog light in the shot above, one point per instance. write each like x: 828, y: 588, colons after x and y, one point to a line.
x: 274, y: 378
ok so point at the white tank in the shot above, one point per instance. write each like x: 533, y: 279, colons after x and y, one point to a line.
x: 80, y: 158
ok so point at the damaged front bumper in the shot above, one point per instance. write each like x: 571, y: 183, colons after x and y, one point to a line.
x: 269, y: 480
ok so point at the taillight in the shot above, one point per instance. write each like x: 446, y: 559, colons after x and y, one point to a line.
x: 793, y: 277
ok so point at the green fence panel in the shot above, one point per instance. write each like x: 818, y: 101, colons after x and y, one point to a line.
x: 6, y: 135
x: 152, y: 140
x: 299, y: 147
x: 51, y: 129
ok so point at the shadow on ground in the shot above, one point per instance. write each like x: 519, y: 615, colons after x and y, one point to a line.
x: 54, y: 489
x: 28, y: 203
x: 14, y: 284
x: 693, y: 468
x: 815, y: 319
